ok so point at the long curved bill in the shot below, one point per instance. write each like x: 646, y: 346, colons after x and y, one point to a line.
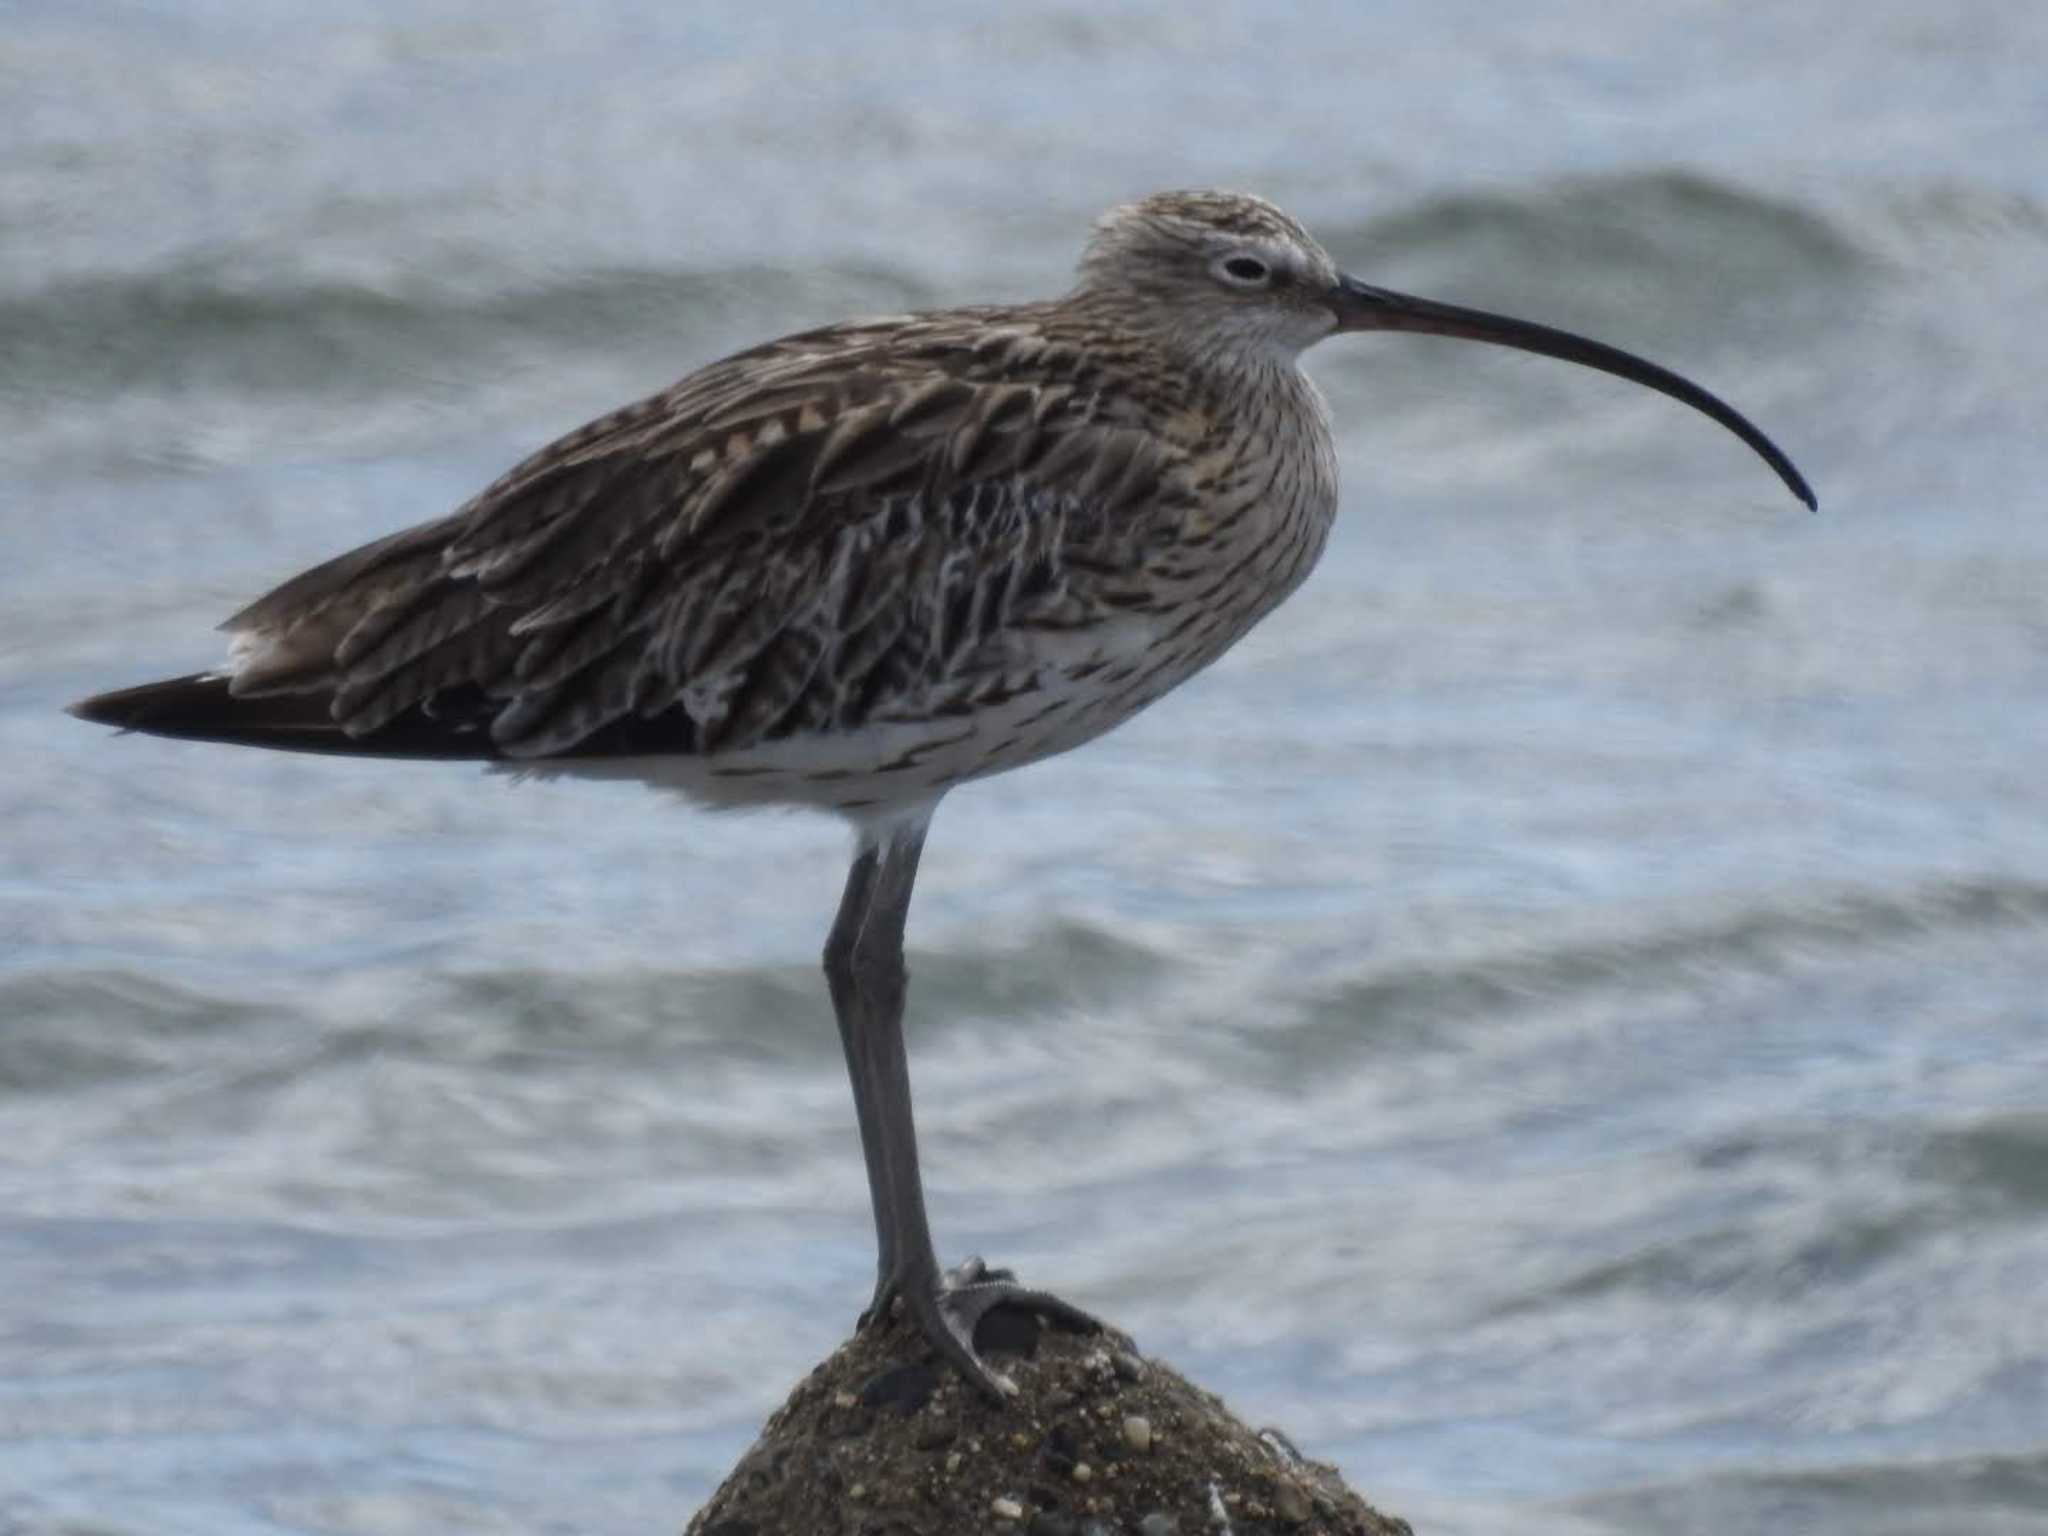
x: 1362, y: 307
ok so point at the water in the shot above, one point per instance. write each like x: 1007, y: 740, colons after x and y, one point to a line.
x: 1556, y: 1018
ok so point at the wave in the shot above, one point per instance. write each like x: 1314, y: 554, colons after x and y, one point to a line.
x: 210, y: 350
x: 1931, y: 1178
x: 1893, y: 1498
x: 70, y: 1029
x: 1670, y: 241
x: 209, y: 327
x: 75, y: 1030
x: 1406, y: 1000
x: 216, y: 323
x: 1676, y: 220
x: 1661, y: 261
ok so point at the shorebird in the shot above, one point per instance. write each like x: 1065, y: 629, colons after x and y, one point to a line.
x: 854, y: 567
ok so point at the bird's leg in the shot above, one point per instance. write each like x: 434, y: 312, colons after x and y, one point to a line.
x: 864, y: 966
x: 877, y: 980
x: 847, y: 1007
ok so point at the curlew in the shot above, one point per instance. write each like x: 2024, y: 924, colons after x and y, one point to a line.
x: 852, y: 568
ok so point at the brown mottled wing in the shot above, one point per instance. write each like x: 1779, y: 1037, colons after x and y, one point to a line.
x: 834, y: 529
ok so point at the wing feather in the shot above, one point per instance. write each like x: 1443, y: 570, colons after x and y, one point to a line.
x: 820, y: 532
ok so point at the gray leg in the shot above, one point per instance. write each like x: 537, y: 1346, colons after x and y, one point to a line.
x: 846, y: 1006
x: 864, y: 967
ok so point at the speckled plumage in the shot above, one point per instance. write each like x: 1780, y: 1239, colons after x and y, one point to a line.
x: 856, y: 564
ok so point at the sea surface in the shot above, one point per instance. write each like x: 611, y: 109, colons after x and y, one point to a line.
x: 1557, y: 1019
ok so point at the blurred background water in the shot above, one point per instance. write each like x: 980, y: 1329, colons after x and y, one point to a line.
x: 1556, y: 1019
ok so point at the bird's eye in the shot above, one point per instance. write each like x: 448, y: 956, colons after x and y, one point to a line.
x: 1244, y: 271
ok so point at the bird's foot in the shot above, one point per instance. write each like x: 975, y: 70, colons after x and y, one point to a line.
x: 946, y: 1308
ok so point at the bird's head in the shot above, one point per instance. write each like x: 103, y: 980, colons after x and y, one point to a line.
x: 1225, y: 271
x: 1231, y: 277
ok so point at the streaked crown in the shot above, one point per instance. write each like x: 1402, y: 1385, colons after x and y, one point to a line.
x: 1223, y: 270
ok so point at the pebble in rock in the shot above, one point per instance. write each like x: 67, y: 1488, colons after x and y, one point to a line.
x: 907, y: 1388
x: 1219, y: 1513
x: 1159, y: 1523
x: 1292, y: 1502
x: 1138, y: 1432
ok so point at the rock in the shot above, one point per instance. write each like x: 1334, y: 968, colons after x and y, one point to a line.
x: 1061, y: 1450
x: 907, y: 1388
x: 1088, y: 1448
x: 935, y: 1437
x: 1292, y: 1503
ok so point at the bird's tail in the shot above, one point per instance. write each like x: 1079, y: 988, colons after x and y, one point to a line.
x: 201, y: 708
